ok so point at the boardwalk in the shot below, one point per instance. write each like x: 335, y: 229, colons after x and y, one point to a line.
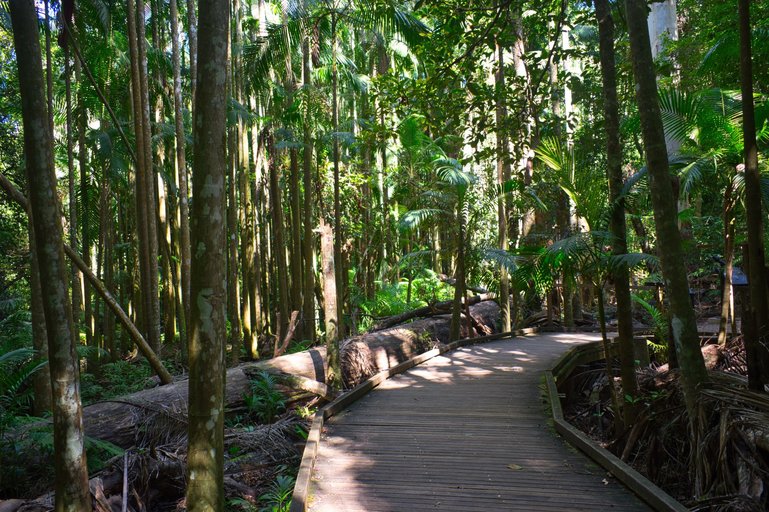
x: 465, y: 431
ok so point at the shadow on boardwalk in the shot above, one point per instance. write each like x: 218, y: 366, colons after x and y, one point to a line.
x: 463, y: 432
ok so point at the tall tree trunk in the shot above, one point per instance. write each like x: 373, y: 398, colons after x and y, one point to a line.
x: 334, y: 372
x: 246, y: 250
x: 293, y: 181
x: 73, y: 241
x: 503, y: 175
x: 192, y: 34
x: 72, y: 492
x: 727, y: 293
x: 145, y: 208
x: 153, y: 302
x: 460, y: 285
x: 341, y: 279
x: 621, y: 274
x: 85, y: 207
x: 683, y: 322
x: 279, y: 249
x: 41, y: 380
x: 308, y: 307
x: 758, y: 369
x: 205, y: 459
x: 181, y: 163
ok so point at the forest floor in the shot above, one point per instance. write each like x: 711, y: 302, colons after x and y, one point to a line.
x: 720, y: 464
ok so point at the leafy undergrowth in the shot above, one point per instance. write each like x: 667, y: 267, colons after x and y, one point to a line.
x: 264, y: 439
x: 723, y: 465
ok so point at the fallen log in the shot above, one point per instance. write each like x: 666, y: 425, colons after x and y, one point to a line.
x: 164, y: 408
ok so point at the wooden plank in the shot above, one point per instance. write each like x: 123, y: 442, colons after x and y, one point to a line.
x: 463, y: 432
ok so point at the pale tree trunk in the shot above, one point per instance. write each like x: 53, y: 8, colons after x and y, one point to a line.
x: 192, y: 35
x: 234, y: 313
x: 459, y: 288
x: 181, y: 167
x: 73, y: 242
x: 683, y: 322
x: 85, y: 207
x: 308, y: 307
x: 726, y: 296
x: 153, y: 300
x: 563, y: 208
x: 341, y: 280
x: 503, y: 175
x: 621, y: 274
x: 755, y: 346
x: 233, y: 285
x: 72, y: 492
x: 293, y: 182
x: 205, y: 452
x: 527, y: 219
x: 145, y: 211
x: 334, y: 372
x: 279, y: 249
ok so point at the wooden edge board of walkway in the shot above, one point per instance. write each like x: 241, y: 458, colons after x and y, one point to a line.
x: 633, y: 480
x: 299, y: 499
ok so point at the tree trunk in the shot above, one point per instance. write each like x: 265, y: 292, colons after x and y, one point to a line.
x: 333, y: 373
x: 759, y: 303
x: 503, y: 175
x: 205, y: 459
x: 459, y: 287
x: 247, y: 212
x: 181, y: 163
x: 726, y: 296
x: 72, y: 492
x: 85, y: 207
x: 620, y: 274
x: 341, y: 279
x: 279, y: 249
x: 73, y: 241
x: 683, y: 322
x: 308, y: 308
x: 41, y: 380
x: 192, y: 34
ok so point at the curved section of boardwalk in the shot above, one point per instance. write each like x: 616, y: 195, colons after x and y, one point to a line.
x: 465, y: 431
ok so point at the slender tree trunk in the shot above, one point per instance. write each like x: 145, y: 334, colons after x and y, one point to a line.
x: 73, y: 241
x: 308, y: 308
x: 205, y: 459
x: 85, y: 207
x: 153, y: 302
x: 41, y: 381
x: 459, y: 287
x: 759, y: 304
x: 683, y: 322
x: 181, y: 162
x: 192, y: 35
x: 341, y: 279
x: 72, y: 492
x: 621, y: 274
x: 279, y: 249
x: 334, y: 373
x: 726, y: 296
x: 503, y: 175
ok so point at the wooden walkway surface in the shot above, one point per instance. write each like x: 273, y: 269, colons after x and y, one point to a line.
x: 466, y: 431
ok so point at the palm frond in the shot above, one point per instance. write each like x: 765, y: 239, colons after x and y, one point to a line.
x: 414, y: 218
x: 502, y: 258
